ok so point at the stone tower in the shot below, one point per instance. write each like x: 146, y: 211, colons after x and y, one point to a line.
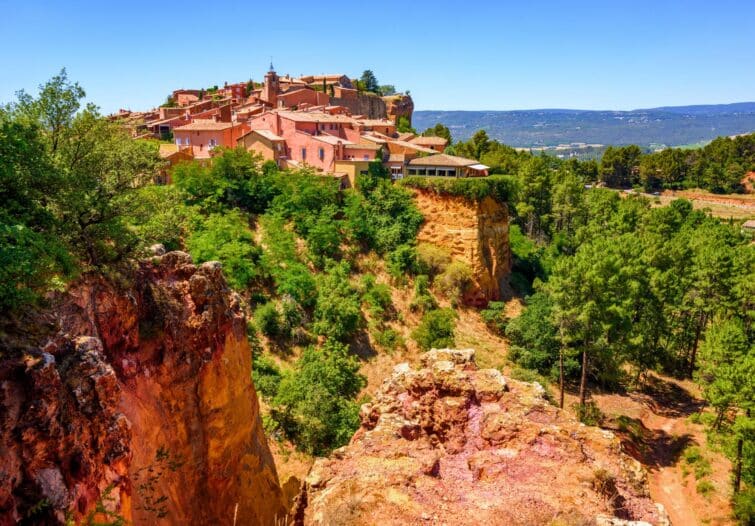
x: 271, y: 87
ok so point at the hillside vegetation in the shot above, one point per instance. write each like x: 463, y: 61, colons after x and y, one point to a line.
x: 613, y: 288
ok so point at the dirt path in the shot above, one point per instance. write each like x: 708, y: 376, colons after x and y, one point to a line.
x: 661, y: 412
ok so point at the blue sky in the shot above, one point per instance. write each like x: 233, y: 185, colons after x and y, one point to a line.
x: 462, y: 55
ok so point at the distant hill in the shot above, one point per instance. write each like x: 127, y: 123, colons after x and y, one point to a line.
x: 654, y: 127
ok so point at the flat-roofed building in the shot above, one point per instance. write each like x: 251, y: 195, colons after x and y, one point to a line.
x: 444, y: 165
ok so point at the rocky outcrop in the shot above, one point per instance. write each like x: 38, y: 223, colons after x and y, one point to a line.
x: 399, y: 106
x: 366, y: 104
x: 142, y: 403
x: 451, y: 444
x: 475, y: 232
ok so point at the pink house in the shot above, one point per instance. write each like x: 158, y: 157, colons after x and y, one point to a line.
x: 203, y: 135
x: 315, y: 138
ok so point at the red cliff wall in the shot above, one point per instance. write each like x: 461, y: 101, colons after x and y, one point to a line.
x: 147, y: 389
x: 474, y: 232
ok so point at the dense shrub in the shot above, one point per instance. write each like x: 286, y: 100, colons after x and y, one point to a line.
x: 389, y: 339
x: 378, y: 298
x: 423, y: 300
x: 338, y: 312
x: 265, y: 374
x: 226, y: 238
x: 315, y: 404
x: 402, y: 262
x: 455, y: 280
x: 267, y: 318
x: 436, y: 330
x: 495, y: 318
x: 499, y: 187
x: 431, y: 259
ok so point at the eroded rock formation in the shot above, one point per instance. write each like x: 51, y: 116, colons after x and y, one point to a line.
x: 474, y: 232
x: 142, y: 401
x: 451, y: 444
x: 399, y: 106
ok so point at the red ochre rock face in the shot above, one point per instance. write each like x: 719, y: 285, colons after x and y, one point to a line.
x: 142, y: 402
x: 452, y: 444
x: 475, y: 232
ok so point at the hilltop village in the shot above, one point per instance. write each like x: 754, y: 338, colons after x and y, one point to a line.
x: 323, y: 122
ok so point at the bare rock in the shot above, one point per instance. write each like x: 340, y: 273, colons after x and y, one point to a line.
x: 450, y: 444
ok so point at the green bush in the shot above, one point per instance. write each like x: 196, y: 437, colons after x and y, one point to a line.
x: 500, y: 187
x: 423, y: 300
x: 495, y: 318
x: 589, y: 414
x: 378, y: 298
x: 455, y: 280
x: 744, y: 507
x: 226, y: 238
x: 267, y: 318
x: 402, y: 262
x: 432, y: 260
x: 265, y: 374
x: 705, y: 488
x: 389, y: 339
x: 338, y: 311
x: 315, y: 404
x: 436, y: 330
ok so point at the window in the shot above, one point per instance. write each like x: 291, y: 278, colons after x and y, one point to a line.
x: 178, y: 141
x: 366, y: 157
x: 321, y: 153
x: 412, y: 171
x: 213, y: 143
x: 303, y: 154
x: 431, y: 171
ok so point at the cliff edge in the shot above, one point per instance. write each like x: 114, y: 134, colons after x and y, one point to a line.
x: 141, y: 405
x: 475, y: 232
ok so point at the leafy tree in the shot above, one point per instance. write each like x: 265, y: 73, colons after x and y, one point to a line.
x: 369, y: 82
x: 268, y: 320
x: 436, y: 330
x: 439, y: 130
x: 226, y: 238
x: 619, y: 166
x: 404, y: 125
x: 338, y: 312
x: 423, y: 300
x: 314, y: 404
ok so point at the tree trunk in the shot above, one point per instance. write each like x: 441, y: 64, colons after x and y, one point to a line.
x: 583, y: 380
x: 561, y: 376
x: 698, y: 330
x: 738, y: 462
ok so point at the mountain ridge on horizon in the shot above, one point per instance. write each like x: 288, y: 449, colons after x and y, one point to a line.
x: 648, y: 128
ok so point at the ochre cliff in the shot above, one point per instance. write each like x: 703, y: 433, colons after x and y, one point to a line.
x: 456, y: 445
x: 399, y: 106
x: 476, y: 232
x: 141, y: 401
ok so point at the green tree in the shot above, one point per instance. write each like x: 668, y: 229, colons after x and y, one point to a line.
x: 439, y: 130
x: 436, y: 330
x: 314, y: 403
x: 369, y: 82
x: 226, y: 238
x: 338, y: 312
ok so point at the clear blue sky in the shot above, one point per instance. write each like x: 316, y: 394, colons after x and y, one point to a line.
x: 465, y: 54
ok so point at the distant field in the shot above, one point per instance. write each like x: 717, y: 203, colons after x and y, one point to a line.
x: 730, y: 206
x: 690, y: 126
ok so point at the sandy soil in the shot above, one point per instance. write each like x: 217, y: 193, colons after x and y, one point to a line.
x: 663, y: 408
